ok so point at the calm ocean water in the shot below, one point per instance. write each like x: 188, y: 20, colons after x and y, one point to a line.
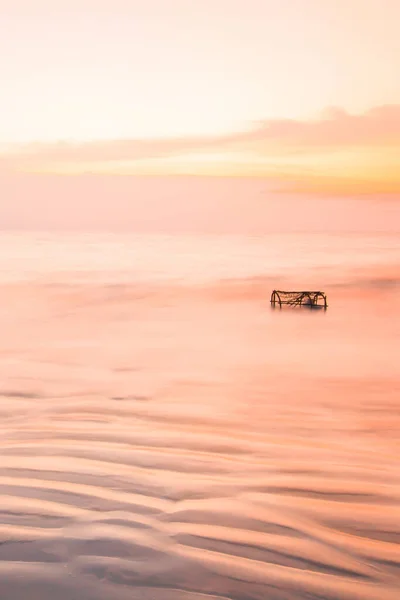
x: 165, y: 435
x: 130, y: 258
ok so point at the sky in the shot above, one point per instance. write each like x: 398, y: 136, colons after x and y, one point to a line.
x: 305, y: 93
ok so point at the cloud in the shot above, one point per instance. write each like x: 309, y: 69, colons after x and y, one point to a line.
x: 337, y: 152
x: 116, y: 150
x: 335, y: 129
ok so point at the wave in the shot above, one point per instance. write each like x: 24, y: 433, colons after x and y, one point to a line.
x: 144, y: 508
x: 152, y: 449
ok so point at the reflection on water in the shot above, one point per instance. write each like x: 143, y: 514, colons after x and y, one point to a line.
x: 179, y: 442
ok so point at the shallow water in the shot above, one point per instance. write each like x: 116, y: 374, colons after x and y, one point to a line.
x: 172, y: 437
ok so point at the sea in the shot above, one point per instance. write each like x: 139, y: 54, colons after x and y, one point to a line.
x: 166, y: 434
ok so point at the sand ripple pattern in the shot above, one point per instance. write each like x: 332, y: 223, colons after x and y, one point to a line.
x: 117, y: 485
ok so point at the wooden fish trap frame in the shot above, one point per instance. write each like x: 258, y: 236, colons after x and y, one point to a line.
x: 308, y: 299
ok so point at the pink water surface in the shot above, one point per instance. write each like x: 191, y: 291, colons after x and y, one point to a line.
x: 165, y: 434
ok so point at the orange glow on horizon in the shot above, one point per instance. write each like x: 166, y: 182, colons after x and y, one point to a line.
x: 337, y: 152
x: 223, y: 88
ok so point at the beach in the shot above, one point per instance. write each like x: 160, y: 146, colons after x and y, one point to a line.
x: 167, y: 431
x: 167, y: 435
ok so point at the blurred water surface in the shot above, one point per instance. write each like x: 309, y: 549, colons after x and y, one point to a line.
x: 165, y: 434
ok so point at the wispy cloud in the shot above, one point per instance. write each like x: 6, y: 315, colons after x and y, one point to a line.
x: 335, y: 144
x: 335, y: 128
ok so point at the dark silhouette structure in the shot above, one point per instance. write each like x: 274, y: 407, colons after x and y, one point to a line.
x: 308, y: 299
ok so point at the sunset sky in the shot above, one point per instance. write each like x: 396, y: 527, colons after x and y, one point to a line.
x: 303, y: 91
